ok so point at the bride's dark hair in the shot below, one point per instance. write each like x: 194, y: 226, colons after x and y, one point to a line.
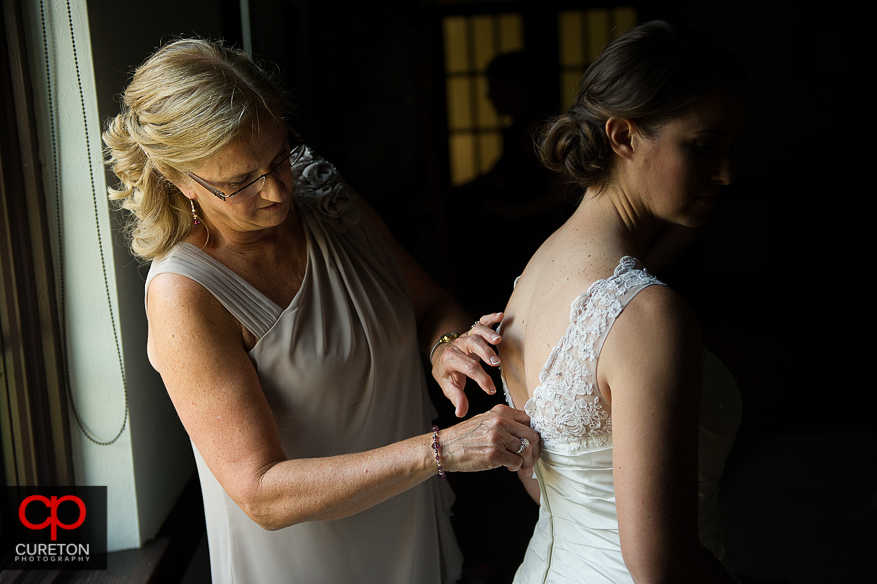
x: 650, y: 75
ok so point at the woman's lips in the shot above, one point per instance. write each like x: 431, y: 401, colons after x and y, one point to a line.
x: 274, y: 207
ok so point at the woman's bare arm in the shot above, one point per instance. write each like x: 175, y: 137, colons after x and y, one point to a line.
x: 198, y: 348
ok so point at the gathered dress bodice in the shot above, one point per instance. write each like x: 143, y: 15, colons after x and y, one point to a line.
x: 341, y: 371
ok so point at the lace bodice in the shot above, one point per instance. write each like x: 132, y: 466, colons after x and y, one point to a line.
x: 566, y: 408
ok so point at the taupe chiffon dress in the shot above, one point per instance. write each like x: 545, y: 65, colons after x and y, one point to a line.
x: 341, y: 370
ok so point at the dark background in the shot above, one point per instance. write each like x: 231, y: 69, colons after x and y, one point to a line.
x: 778, y: 277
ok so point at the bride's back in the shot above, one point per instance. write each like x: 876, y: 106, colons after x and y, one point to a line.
x: 537, y: 315
x: 625, y: 459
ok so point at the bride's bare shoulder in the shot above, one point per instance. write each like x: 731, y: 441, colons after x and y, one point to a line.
x: 561, y: 271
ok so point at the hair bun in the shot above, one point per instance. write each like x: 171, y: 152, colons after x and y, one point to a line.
x: 575, y: 146
x: 651, y: 74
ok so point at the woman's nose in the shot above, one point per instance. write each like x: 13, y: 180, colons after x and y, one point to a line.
x: 725, y: 173
x: 276, y: 188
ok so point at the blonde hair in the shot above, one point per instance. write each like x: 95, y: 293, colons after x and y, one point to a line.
x: 185, y: 103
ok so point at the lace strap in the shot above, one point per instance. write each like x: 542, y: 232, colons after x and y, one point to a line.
x: 593, y: 313
x: 567, y: 408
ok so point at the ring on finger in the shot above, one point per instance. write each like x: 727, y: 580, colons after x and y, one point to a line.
x: 524, y: 444
x: 472, y: 328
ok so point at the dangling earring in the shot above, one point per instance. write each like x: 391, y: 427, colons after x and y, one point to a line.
x: 195, y: 219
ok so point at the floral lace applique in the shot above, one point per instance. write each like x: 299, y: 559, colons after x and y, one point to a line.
x: 565, y: 409
x: 319, y: 185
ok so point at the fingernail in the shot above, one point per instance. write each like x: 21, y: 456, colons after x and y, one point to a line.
x: 494, y: 338
x: 494, y: 360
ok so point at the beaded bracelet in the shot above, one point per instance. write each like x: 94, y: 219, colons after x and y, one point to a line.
x: 437, y: 448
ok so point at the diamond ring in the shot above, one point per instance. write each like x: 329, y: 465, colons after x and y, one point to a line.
x: 524, y: 444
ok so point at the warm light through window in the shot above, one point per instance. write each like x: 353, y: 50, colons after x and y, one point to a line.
x: 582, y: 34
x: 470, y: 44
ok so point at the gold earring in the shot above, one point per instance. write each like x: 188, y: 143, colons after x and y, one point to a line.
x: 195, y: 219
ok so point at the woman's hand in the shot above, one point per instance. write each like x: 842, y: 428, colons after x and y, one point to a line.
x: 454, y: 362
x: 438, y: 314
x: 491, y: 440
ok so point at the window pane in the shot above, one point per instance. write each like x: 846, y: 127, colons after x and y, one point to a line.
x: 462, y: 147
x: 625, y: 19
x: 487, y: 117
x: 485, y: 47
x: 570, y: 41
x: 456, y: 45
x: 491, y: 149
x: 459, y: 103
x: 511, y: 33
x: 598, y: 31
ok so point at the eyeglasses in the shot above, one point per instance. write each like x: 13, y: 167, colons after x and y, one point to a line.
x: 252, y: 189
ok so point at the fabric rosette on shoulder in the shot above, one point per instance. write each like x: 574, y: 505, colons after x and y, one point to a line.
x: 319, y: 185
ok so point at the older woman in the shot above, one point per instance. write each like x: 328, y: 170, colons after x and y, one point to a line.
x: 285, y: 322
x: 606, y: 359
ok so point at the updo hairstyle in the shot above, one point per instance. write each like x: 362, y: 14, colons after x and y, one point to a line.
x: 650, y: 75
x: 185, y: 103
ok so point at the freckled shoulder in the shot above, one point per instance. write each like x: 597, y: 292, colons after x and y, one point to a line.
x: 180, y: 308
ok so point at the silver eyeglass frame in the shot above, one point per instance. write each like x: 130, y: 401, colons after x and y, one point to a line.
x: 294, y: 155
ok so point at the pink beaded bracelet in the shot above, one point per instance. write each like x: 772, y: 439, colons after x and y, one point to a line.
x: 437, y: 448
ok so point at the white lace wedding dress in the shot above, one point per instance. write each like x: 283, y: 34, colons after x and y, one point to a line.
x: 576, y: 536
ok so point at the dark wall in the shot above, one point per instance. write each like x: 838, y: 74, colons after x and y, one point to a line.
x: 355, y: 73
x: 765, y: 278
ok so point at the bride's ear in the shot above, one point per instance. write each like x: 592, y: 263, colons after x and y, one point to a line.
x: 621, y: 134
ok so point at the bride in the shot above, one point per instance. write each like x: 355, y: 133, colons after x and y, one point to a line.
x: 607, y: 360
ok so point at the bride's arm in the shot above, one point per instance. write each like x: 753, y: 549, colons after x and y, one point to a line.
x: 650, y: 371
x: 531, y: 485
